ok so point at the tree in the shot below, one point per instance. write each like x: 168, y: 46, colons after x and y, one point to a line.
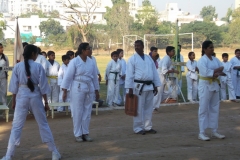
x: 203, y: 31
x: 118, y: 2
x: 51, y: 27
x: 227, y: 18
x: 118, y: 20
x: 2, y: 27
x: 146, y: 12
x: 208, y: 13
x: 83, y: 20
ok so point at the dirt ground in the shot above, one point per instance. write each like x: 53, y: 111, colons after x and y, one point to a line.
x: 114, y: 139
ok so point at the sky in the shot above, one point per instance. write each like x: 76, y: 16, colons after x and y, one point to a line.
x: 195, y: 6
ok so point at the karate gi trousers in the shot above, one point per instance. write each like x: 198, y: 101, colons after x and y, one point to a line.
x: 143, y: 120
x: 208, y: 112
x: 231, y: 91
x: 112, y: 92
x: 121, y: 97
x: 53, y: 96
x: 192, y: 88
x: 24, y: 103
x: 81, y: 107
x: 3, y: 90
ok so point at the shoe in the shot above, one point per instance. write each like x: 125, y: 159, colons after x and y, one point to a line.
x: 56, y: 155
x: 5, y: 158
x: 217, y: 135
x: 203, y: 137
x: 151, y: 131
x: 87, y: 138
x: 142, y: 132
x: 79, y: 139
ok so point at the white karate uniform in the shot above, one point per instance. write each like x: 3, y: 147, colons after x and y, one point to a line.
x: 42, y: 60
x: 143, y: 70
x: 113, y: 81
x: 3, y: 80
x: 61, y: 72
x: 166, y: 88
x: 121, y: 97
x: 192, y: 80
x: 52, y: 73
x: 27, y: 100
x: 208, y: 94
x: 95, y: 62
x: 236, y: 75
x: 82, y: 77
x: 227, y: 81
x: 158, y: 98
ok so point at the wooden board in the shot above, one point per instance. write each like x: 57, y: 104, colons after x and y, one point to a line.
x: 131, y: 105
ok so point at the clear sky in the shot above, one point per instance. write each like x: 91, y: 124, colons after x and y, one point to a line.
x: 195, y: 6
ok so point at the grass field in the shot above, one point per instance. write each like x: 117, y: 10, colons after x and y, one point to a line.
x: 102, y: 61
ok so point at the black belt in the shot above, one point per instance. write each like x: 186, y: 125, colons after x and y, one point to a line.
x: 115, y: 79
x: 144, y: 83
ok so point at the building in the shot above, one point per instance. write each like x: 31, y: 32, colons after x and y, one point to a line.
x: 133, y: 7
x: 237, y: 4
x: 172, y: 12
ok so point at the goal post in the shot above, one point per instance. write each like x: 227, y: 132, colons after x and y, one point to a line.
x: 170, y: 38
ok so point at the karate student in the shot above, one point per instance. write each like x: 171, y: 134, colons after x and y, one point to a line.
x: 192, y: 77
x: 112, y: 76
x: 142, y: 80
x: 70, y: 54
x: 210, y: 68
x: 29, y: 85
x: 121, y: 97
x: 165, y: 67
x: 52, y: 73
x: 42, y: 60
x: 227, y: 80
x: 182, y: 67
x: 81, y: 75
x: 3, y: 76
x: 61, y: 72
x: 236, y: 72
x: 44, y: 54
x: 95, y: 62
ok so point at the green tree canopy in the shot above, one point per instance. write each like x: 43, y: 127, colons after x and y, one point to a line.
x: 208, y: 13
x: 118, y: 2
x: 234, y: 29
x: 51, y: 27
x: 2, y: 27
x: 228, y: 15
x: 146, y: 3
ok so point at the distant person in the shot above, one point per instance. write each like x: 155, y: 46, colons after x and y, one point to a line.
x: 4, y: 62
x: 70, y: 54
x: 192, y: 77
x: 24, y: 44
x: 226, y: 81
x: 112, y: 76
x: 182, y: 67
x: 235, y: 61
x: 44, y: 54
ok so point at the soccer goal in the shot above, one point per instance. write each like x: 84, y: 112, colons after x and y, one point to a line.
x: 162, y: 40
x: 128, y: 43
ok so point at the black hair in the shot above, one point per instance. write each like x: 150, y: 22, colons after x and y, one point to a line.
x: 153, y: 48
x: 237, y: 50
x: 169, y: 49
x: 189, y: 54
x: 70, y: 53
x: 140, y: 42
x: 27, y: 53
x: 119, y: 50
x: 214, y: 54
x: 114, y: 53
x: 24, y: 44
x: 43, y: 52
x: 180, y: 46
x: 224, y: 55
x: 205, y: 45
x: 76, y: 54
x: 65, y: 57
x: 50, y: 53
x: 4, y: 58
x: 82, y: 46
x: 39, y: 50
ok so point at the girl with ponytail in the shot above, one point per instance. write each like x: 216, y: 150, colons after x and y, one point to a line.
x: 3, y: 76
x: 29, y: 84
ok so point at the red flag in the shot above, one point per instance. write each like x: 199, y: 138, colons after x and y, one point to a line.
x: 18, y: 48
